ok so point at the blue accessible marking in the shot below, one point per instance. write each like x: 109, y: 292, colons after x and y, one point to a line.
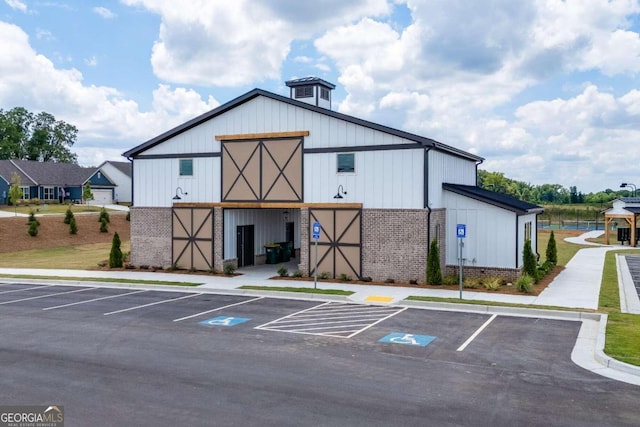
x: 224, y: 321
x: 408, y: 339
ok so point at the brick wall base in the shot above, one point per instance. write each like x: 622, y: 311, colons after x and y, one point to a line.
x: 508, y: 274
x: 151, y: 237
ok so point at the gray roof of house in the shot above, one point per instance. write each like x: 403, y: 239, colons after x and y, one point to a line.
x: 309, y: 80
x: 420, y: 141
x: 124, y: 167
x: 49, y: 173
x: 7, y: 169
x: 496, y: 199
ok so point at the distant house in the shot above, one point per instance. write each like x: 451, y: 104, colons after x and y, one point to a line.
x: 120, y: 174
x: 51, y: 182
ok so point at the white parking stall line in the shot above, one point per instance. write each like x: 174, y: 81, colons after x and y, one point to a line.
x: 150, y: 304
x: 45, y: 296
x: 91, y: 300
x: 291, y: 315
x: 476, y: 333
x: 25, y: 289
x: 216, y: 309
x: 381, y: 320
x: 340, y: 320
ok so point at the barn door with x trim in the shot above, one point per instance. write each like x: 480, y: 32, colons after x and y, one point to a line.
x: 339, y: 245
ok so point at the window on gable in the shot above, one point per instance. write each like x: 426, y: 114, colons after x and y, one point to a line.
x: 346, y: 162
x: 324, y: 93
x: 304, y: 91
x: 186, y: 167
x: 527, y: 231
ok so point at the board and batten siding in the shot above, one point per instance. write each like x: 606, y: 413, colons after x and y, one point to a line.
x: 155, y: 181
x: 445, y: 168
x: 269, y: 228
x: 382, y: 179
x: 490, y: 238
x: 522, y: 220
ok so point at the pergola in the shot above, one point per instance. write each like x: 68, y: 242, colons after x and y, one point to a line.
x: 624, y: 209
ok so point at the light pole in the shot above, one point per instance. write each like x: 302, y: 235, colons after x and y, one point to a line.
x: 628, y: 184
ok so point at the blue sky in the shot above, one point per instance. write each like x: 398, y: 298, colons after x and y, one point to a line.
x: 545, y: 90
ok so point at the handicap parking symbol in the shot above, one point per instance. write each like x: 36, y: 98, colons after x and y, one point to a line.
x: 408, y: 339
x: 224, y: 321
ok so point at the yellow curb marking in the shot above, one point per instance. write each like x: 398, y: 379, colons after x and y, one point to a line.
x: 377, y: 298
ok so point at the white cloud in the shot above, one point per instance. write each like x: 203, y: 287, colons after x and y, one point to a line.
x: 107, y: 121
x: 91, y: 62
x: 240, y: 42
x: 17, y: 5
x: 104, y: 12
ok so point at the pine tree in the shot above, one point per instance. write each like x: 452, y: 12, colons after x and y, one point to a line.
x: 552, y: 250
x: 434, y: 274
x: 103, y: 226
x: 73, y: 227
x: 529, y: 261
x: 104, y: 215
x: 33, y: 228
x: 115, y: 256
x: 68, y: 215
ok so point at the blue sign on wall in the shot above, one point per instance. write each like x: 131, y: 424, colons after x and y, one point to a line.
x: 224, y: 321
x: 408, y: 339
x: 461, y: 231
x: 316, y: 230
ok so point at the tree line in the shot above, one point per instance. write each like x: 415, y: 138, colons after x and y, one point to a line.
x: 29, y: 136
x: 545, y: 193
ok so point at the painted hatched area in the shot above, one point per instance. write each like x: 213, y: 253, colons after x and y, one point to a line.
x: 633, y: 262
x: 262, y: 171
x: 332, y: 319
x: 192, y: 242
x: 339, y: 245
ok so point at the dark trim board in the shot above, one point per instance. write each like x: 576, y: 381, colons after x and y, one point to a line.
x: 358, y: 148
x: 177, y: 156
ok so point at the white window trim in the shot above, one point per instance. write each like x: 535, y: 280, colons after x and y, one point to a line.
x: 192, y: 169
x: 45, y: 190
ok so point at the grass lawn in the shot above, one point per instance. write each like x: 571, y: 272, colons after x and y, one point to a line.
x: 566, y: 251
x: 79, y: 257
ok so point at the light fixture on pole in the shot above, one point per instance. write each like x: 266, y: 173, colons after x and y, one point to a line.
x: 340, y: 194
x: 628, y: 184
x: 177, y: 196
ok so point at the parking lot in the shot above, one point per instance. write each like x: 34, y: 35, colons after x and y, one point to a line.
x: 116, y: 356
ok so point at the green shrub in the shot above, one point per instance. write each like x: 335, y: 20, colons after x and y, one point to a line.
x: 103, y: 226
x: 552, y: 250
x: 525, y: 283
x: 229, y: 269
x: 324, y: 275
x: 434, y: 274
x: 33, y: 229
x: 345, y: 278
x: 128, y: 217
x: 283, y: 272
x: 471, y: 283
x: 451, y: 279
x: 104, y: 215
x: 73, y: 227
x: 68, y: 215
x: 492, y: 283
x: 297, y: 273
x: 115, y: 256
x: 529, y: 261
x: 366, y: 279
x: 32, y: 218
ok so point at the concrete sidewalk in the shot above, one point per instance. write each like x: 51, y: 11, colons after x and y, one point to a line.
x: 577, y: 286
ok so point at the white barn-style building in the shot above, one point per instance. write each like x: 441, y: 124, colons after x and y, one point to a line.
x: 262, y: 168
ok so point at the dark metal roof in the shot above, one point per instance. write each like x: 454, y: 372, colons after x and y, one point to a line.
x: 630, y: 199
x: 304, y: 81
x: 635, y: 210
x: 497, y: 199
x: 51, y: 173
x: 419, y: 140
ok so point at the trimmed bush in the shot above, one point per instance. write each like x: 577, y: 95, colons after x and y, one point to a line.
x: 297, y: 273
x: 492, y: 283
x: 324, y: 275
x: 229, y: 269
x: 434, y: 274
x: 116, y: 259
x: 552, y: 250
x: 68, y: 215
x: 529, y: 261
x: 283, y: 272
x: 128, y: 217
x: 345, y: 278
x: 103, y: 226
x: 104, y: 215
x: 73, y: 227
x: 32, y: 218
x: 33, y: 228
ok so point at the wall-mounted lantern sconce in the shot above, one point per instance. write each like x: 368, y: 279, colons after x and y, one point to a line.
x: 177, y: 196
x: 285, y: 215
x: 341, y: 193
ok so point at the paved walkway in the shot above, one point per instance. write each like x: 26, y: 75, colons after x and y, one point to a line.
x: 577, y: 286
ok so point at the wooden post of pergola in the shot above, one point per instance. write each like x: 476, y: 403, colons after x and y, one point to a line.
x: 630, y: 219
